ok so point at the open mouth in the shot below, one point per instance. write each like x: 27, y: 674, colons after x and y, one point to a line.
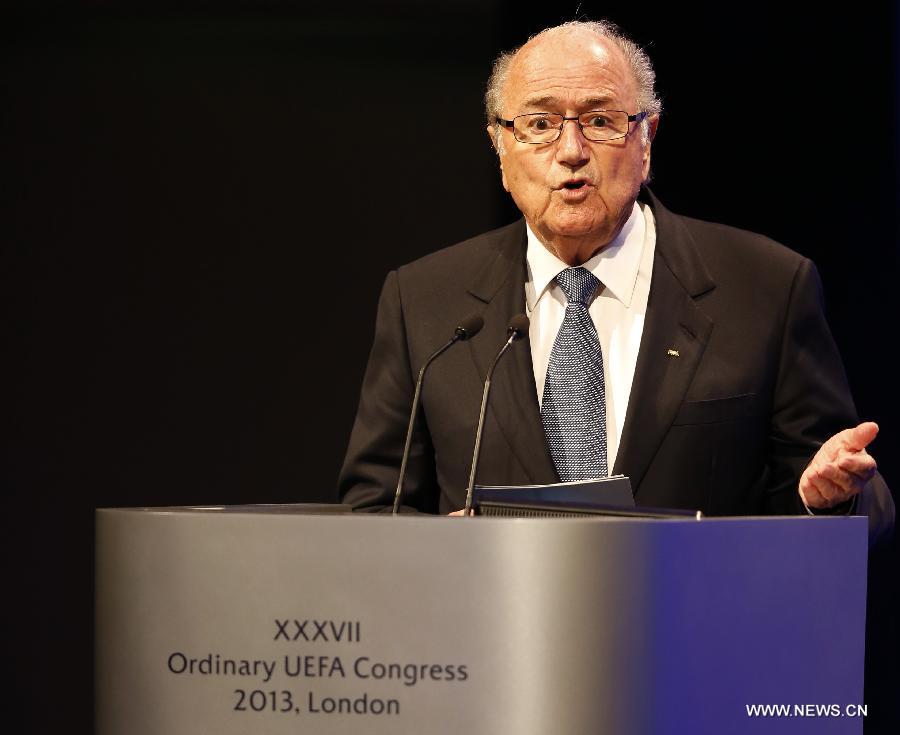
x: 574, y: 185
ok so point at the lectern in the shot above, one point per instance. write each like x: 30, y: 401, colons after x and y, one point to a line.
x: 230, y: 622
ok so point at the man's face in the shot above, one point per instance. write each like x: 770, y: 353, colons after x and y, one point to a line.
x: 573, y: 189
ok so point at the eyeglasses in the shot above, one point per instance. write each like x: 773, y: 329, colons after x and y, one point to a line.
x: 596, y: 125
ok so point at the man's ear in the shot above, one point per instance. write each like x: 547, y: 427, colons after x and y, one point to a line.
x: 494, y: 133
x: 652, y: 125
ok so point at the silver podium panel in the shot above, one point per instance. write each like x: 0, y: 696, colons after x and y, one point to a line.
x: 263, y: 622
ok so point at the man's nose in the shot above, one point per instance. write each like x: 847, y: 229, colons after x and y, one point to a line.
x: 572, y: 147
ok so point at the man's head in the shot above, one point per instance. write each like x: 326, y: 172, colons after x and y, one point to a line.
x: 576, y: 194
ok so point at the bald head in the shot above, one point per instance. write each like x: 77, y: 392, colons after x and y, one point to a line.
x: 602, y: 35
x: 563, y: 60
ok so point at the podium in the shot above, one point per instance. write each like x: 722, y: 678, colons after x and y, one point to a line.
x: 229, y: 621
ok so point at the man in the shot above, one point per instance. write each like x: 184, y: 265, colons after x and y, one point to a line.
x: 690, y: 356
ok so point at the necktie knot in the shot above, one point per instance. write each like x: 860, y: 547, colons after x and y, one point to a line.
x: 578, y: 284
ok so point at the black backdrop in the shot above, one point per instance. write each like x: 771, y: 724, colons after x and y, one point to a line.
x: 184, y: 188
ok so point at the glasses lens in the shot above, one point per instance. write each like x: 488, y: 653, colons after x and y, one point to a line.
x: 604, y: 124
x: 538, y: 128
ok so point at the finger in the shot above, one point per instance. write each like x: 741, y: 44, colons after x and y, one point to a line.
x: 821, y: 479
x: 861, y: 436
x: 849, y: 481
x: 812, y: 497
x: 861, y: 464
x: 832, y: 493
x: 846, y: 482
x: 818, y: 489
x: 823, y: 497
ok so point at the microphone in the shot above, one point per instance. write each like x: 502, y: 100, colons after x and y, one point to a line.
x: 465, y: 329
x: 518, y: 327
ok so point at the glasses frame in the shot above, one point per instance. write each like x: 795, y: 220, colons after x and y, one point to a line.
x: 511, y: 125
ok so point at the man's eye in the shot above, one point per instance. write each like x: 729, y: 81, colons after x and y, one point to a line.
x: 540, y: 124
x: 598, y: 121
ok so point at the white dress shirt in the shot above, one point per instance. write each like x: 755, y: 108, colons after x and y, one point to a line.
x: 624, y: 268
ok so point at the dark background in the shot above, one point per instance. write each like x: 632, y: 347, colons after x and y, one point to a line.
x: 200, y: 203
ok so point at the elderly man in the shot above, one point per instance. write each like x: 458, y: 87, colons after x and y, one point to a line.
x: 690, y: 356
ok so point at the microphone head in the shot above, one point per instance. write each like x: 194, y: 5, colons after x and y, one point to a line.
x: 469, y: 327
x: 518, y: 326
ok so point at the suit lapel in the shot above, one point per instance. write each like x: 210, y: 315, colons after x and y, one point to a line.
x: 675, y: 335
x: 513, y: 400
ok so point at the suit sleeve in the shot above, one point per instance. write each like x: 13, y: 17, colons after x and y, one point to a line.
x: 812, y: 402
x: 371, y: 466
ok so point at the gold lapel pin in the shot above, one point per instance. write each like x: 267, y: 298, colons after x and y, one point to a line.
x: 672, y: 353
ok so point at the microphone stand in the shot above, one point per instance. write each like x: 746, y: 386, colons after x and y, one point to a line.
x: 517, y: 327
x: 467, y: 329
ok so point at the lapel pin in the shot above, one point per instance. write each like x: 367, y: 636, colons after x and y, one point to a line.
x: 672, y: 353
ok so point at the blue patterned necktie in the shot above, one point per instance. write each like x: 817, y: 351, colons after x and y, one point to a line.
x: 573, y: 409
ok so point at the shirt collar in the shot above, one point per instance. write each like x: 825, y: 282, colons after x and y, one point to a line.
x: 615, y: 266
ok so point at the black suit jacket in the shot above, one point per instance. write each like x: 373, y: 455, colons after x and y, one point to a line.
x: 725, y: 425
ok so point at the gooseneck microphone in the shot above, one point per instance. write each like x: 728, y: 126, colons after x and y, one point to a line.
x: 518, y: 327
x: 465, y: 329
